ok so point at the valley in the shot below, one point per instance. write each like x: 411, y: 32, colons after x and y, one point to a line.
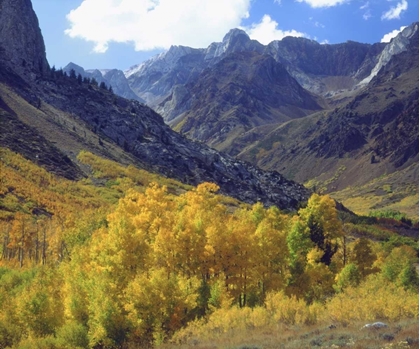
x: 236, y: 196
x: 306, y: 110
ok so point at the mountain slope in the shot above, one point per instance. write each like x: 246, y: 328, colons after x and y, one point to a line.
x: 82, y: 113
x: 242, y: 91
x: 325, y: 69
x: 374, y: 134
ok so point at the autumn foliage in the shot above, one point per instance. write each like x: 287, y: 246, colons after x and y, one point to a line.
x: 119, y: 260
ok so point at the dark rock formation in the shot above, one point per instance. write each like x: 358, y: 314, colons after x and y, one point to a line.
x: 21, y: 43
x: 24, y: 140
x: 142, y: 132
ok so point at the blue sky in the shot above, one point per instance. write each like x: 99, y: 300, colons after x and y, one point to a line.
x: 121, y: 33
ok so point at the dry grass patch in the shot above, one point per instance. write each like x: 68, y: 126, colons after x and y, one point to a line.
x: 401, y: 334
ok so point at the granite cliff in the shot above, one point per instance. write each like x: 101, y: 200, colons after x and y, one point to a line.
x: 21, y: 47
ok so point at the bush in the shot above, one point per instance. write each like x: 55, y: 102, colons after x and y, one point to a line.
x: 374, y: 299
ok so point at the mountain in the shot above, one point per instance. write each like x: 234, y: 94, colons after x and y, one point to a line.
x: 321, y: 69
x: 154, y: 79
x: 111, y: 77
x: 332, y: 116
x: 66, y: 115
x: 242, y: 91
x: 325, y: 69
x: 371, y: 136
x: 398, y: 45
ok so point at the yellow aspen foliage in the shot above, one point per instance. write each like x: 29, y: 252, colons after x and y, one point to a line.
x: 322, y: 209
x: 74, y: 291
x: 240, y: 277
x: 288, y: 310
x: 197, y: 213
x: 375, y: 298
x: 321, y: 281
x: 156, y: 305
x: 271, y: 255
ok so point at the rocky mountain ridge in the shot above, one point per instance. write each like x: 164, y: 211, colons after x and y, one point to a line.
x: 111, y: 77
x: 321, y: 69
x: 374, y: 134
x: 69, y: 115
x: 397, y: 45
x: 242, y: 91
x: 366, y: 125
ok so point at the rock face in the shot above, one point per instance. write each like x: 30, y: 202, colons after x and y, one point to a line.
x: 111, y: 77
x: 324, y: 69
x: 321, y: 69
x: 21, y: 43
x: 397, y: 45
x: 218, y: 94
x: 140, y: 131
x: 135, y: 128
x: 240, y: 92
x: 154, y: 79
x: 372, y: 133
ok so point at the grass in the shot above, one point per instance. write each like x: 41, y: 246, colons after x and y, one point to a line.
x: 400, y: 334
x: 387, y: 192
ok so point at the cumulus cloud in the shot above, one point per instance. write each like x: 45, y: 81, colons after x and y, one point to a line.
x: 323, y: 3
x: 266, y: 31
x: 155, y: 24
x: 395, y: 12
x: 388, y: 37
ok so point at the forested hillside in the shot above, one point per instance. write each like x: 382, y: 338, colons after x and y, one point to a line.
x: 127, y: 259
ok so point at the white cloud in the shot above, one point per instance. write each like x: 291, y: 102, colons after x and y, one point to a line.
x: 395, y: 12
x: 323, y: 3
x: 155, y: 24
x: 393, y: 34
x: 365, y: 6
x: 266, y: 31
x: 367, y: 15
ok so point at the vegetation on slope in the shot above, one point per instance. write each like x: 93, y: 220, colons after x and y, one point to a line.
x: 121, y: 261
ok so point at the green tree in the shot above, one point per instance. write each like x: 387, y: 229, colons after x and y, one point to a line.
x: 349, y: 276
